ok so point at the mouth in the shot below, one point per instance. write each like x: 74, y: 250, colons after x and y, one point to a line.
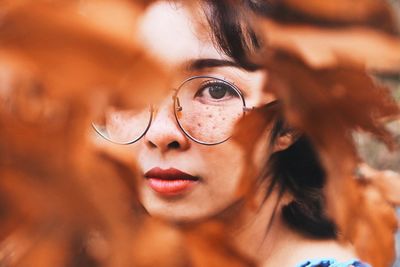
x: 170, y: 182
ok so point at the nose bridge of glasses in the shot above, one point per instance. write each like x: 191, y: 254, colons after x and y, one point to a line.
x: 165, y: 109
x: 167, y: 104
x: 164, y: 129
x: 177, y: 104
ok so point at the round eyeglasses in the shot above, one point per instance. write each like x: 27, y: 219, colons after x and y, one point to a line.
x: 206, y: 109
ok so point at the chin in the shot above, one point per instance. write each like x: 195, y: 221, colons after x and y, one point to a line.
x: 177, y: 215
x: 191, y: 206
x: 179, y: 210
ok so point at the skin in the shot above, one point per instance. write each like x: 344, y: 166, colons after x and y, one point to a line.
x: 175, y: 39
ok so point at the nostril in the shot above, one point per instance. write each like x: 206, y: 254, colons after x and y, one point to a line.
x: 151, y: 144
x: 174, y: 145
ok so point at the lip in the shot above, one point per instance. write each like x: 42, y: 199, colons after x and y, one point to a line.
x: 170, y: 182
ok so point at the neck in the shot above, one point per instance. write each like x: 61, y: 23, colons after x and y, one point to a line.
x: 263, y: 235
x: 260, y: 231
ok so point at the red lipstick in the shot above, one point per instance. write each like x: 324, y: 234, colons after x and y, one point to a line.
x: 170, y: 182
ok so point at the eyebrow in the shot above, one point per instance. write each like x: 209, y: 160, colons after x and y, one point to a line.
x: 203, y: 63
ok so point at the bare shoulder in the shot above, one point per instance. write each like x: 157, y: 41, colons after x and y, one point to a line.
x: 326, y: 249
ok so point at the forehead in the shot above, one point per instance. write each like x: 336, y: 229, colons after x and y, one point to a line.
x: 177, y: 36
x: 174, y: 34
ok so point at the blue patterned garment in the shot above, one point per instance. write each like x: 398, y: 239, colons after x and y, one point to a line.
x: 333, y: 263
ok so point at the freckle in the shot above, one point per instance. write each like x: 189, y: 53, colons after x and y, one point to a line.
x: 206, y: 107
x: 223, y: 119
x: 214, y: 128
x: 210, y: 116
x: 199, y: 124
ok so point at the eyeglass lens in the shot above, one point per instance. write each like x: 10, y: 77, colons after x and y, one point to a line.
x: 206, y: 109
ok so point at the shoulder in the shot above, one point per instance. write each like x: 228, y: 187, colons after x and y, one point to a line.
x: 298, y: 250
x: 328, y: 249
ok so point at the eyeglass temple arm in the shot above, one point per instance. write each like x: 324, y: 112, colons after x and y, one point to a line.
x: 270, y: 104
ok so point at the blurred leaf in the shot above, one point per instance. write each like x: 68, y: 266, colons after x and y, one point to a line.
x: 318, y: 72
x: 321, y: 47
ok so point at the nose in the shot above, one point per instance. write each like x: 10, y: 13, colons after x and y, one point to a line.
x: 164, y: 133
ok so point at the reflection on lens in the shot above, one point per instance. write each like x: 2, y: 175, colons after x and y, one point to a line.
x: 123, y: 126
x: 208, y: 108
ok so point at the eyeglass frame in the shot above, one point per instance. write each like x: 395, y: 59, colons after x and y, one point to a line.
x: 178, y: 108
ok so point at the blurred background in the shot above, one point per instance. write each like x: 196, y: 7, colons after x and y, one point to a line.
x: 55, y: 188
x: 375, y: 153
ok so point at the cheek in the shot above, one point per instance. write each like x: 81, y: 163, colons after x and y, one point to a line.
x: 231, y: 168
x: 225, y: 165
x: 142, y: 155
x: 262, y: 151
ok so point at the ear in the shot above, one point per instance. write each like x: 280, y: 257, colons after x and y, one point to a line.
x: 285, y: 140
x: 267, y: 97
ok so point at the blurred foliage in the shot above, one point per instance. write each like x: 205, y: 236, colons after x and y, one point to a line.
x: 67, y: 202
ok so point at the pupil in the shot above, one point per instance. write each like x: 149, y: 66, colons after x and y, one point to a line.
x: 217, y: 91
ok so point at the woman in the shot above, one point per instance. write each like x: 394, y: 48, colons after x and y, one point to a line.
x: 191, y: 169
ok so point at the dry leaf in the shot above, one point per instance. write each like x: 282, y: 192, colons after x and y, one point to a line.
x: 321, y: 47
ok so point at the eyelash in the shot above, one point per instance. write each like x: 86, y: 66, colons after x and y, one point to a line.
x: 209, y: 84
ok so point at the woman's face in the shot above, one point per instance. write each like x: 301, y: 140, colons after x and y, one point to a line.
x: 182, y: 180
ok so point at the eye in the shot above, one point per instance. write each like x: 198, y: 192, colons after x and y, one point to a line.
x: 216, y: 91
